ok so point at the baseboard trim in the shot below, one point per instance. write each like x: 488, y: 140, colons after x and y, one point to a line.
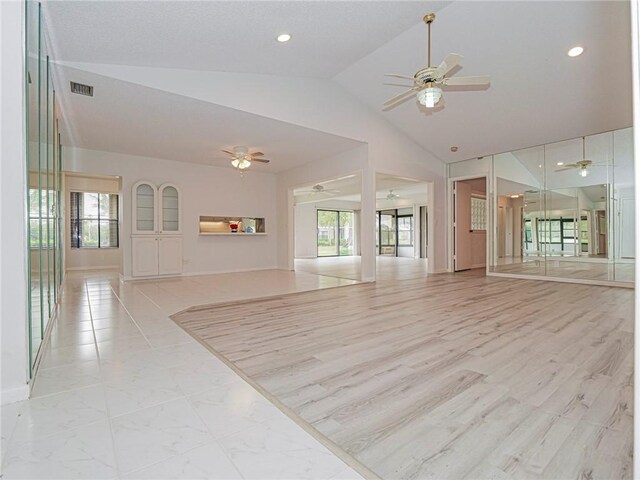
x: 580, y: 281
x: 196, y: 274
x: 77, y: 269
x: 13, y: 395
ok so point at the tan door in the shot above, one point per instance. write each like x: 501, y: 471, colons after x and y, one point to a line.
x: 462, y: 227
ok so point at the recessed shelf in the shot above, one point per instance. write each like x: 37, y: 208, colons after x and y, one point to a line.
x: 242, y: 234
x: 210, y: 225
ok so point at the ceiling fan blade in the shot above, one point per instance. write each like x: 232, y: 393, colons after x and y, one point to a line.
x: 447, y: 64
x: 402, y: 95
x: 230, y: 153
x: 257, y: 154
x: 396, y: 75
x: 564, y: 169
x: 397, y: 85
x: 261, y: 160
x: 477, y: 80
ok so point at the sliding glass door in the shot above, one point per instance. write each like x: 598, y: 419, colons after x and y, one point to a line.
x: 335, y: 233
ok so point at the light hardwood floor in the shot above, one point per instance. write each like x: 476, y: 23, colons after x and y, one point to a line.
x: 449, y: 376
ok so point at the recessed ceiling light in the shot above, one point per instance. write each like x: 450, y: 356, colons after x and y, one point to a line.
x: 283, y: 37
x: 560, y: 164
x: 575, y: 51
x: 454, y: 149
x: 515, y: 196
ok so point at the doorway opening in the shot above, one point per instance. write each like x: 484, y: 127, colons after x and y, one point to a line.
x: 470, y: 220
x: 327, y: 227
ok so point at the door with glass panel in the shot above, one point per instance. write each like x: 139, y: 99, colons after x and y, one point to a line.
x: 387, y: 232
x: 336, y: 233
x: 169, y: 209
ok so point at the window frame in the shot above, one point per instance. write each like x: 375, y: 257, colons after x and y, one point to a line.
x: 76, y: 235
x: 411, y: 230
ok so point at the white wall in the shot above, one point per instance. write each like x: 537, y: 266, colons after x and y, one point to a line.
x: 314, y: 103
x: 13, y: 241
x: 205, y: 190
x: 635, y: 63
x: 306, y: 225
x: 90, y: 258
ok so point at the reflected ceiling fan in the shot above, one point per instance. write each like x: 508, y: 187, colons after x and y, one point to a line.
x: 241, y: 159
x: 428, y: 82
x: 582, y: 166
x: 390, y: 196
x: 318, y: 189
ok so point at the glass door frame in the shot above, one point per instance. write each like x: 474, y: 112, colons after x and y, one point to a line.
x: 337, y: 229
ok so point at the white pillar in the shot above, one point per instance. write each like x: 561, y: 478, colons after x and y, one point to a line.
x: 368, y: 225
x: 635, y: 61
x: 13, y: 239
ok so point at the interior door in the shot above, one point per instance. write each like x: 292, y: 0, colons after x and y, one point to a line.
x: 462, y: 227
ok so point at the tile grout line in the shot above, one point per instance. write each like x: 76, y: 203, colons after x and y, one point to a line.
x: 216, y: 441
x: 131, y: 316
x: 104, y: 391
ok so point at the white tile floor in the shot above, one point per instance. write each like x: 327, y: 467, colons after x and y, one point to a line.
x: 122, y: 392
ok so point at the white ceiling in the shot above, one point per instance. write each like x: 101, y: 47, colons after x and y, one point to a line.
x: 229, y: 36
x: 127, y: 118
x: 537, y: 95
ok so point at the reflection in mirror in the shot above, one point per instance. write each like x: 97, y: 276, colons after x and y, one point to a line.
x: 567, y: 209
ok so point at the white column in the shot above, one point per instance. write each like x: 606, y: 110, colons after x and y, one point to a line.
x: 368, y: 224
x: 635, y: 60
x: 13, y: 241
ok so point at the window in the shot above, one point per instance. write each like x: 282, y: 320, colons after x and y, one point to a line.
x: 528, y: 235
x: 335, y: 233
x: 38, y: 224
x: 405, y: 231
x: 558, y: 231
x: 478, y: 213
x: 94, y: 220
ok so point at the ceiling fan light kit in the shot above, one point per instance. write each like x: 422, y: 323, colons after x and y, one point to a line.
x: 430, y: 96
x: 241, y: 159
x: 427, y: 82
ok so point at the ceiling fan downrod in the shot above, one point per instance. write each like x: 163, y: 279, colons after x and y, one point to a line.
x: 428, y: 19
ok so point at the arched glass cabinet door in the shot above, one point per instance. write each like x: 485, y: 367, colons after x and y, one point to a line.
x: 144, y: 208
x: 170, y: 218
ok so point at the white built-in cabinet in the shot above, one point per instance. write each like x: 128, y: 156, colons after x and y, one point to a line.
x: 156, y: 230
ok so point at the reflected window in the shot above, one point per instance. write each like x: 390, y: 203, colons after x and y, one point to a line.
x: 478, y: 213
x: 38, y: 224
x: 94, y: 220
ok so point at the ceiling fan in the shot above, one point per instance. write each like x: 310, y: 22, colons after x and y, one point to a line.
x: 318, y: 189
x: 428, y: 81
x: 390, y: 196
x: 583, y: 165
x: 241, y: 158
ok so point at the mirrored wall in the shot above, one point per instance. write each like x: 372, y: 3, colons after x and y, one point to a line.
x: 44, y: 181
x: 562, y: 210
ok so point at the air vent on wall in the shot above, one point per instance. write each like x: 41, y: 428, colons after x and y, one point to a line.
x: 81, y: 89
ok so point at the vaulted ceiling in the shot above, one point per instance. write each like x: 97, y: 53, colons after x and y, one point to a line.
x: 537, y: 94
